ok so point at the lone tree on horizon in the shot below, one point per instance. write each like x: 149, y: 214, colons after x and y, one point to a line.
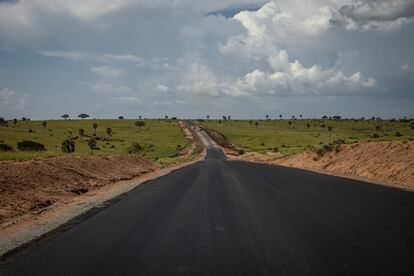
x: 83, y: 115
x: 280, y: 116
x: 65, y: 116
x: 267, y: 116
x: 44, y: 124
x: 139, y: 124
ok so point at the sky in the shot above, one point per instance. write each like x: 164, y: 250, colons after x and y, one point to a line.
x: 190, y: 59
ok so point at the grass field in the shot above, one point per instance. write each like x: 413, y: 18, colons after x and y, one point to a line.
x: 158, y: 138
x: 297, y: 136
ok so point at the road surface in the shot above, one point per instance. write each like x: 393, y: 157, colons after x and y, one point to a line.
x: 221, y: 217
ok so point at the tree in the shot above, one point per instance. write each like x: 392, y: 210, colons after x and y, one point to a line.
x: 92, y: 144
x: 121, y: 117
x: 109, y: 131
x: 208, y: 117
x: 229, y: 118
x: 224, y: 118
x: 83, y: 115
x: 139, y: 117
x: 267, y: 116
x: 300, y: 116
x: 68, y: 146
x: 95, y: 126
x: 44, y: 124
x: 250, y: 122
x: 307, y: 125
x: 81, y: 133
x: 256, y: 123
x: 293, y: 117
x: 65, y: 116
x: 3, y: 122
x: 329, y: 129
x: 289, y: 123
x: 280, y: 116
x: 139, y: 124
x: 15, y: 121
x: 166, y: 117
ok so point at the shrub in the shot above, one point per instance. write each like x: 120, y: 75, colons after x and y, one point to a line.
x: 30, y: 146
x: 68, y: 146
x: 5, y: 147
x: 335, y: 145
x: 92, y: 144
x: 275, y: 149
x: 375, y: 136
x: 398, y: 134
x: 3, y: 122
x: 134, y: 148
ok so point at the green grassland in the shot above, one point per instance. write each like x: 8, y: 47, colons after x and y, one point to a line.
x: 159, y: 139
x: 297, y: 137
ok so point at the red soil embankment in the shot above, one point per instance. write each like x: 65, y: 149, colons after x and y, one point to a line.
x: 30, y: 186
x: 389, y: 162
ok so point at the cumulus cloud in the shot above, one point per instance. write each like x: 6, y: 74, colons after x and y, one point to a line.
x: 286, y: 77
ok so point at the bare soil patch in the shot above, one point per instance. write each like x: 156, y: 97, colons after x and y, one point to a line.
x: 31, y: 186
x: 390, y: 162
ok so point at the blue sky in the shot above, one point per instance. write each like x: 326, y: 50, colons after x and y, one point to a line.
x: 191, y: 59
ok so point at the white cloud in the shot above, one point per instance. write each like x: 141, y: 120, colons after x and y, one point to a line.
x: 10, y: 99
x: 265, y: 28
x: 162, y: 88
x: 199, y: 80
x: 106, y: 71
x: 110, y: 89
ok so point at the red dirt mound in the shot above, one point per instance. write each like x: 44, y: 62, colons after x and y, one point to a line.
x: 29, y: 186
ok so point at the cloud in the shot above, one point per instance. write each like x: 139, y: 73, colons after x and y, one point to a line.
x: 199, y: 80
x: 10, y: 99
x: 110, y: 89
x: 162, y: 88
x: 107, y: 71
x: 218, y: 54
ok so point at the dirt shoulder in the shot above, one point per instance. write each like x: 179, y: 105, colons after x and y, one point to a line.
x: 388, y: 162
x: 30, y: 186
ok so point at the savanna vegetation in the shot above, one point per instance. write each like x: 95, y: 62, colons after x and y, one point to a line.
x: 154, y: 139
x: 290, y: 136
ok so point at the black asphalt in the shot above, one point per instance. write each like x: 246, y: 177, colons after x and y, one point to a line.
x: 220, y: 217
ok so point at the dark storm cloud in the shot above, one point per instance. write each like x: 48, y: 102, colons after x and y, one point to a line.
x: 380, y: 10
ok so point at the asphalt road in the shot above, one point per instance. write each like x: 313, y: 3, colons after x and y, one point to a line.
x: 220, y: 217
